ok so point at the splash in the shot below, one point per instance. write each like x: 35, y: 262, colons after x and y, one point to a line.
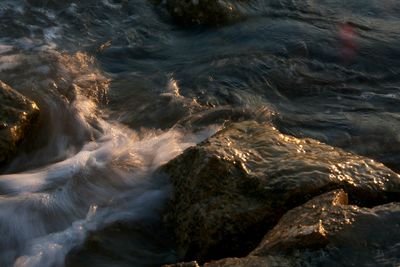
x: 89, y: 172
x: 119, y: 163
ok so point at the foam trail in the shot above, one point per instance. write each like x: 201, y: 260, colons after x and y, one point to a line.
x: 115, y: 172
x: 35, y: 181
x: 102, y: 166
x: 118, y: 142
x: 51, y: 250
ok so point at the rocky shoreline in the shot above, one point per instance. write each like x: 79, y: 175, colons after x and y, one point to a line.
x: 252, y: 196
x: 299, y: 159
x: 251, y: 192
x: 325, y: 225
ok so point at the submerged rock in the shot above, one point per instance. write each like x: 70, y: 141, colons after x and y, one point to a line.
x: 17, y: 115
x: 326, y: 231
x: 232, y: 188
x: 209, y: 12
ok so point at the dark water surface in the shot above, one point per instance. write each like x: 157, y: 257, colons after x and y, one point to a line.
x: 123, y: 89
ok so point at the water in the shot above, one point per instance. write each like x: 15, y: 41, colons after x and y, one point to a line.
x: 123, y: 89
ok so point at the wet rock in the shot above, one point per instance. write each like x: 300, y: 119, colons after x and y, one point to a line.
x: 249, y: 261
x: 17, y: 115
x: 308, y: 226
x: 326, y: 231
x: 232, y: 188
x: 209, y: 12
x: 183, y: 264
x: 355, y: 236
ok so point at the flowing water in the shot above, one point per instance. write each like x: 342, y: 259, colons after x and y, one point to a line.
x: 123, y: 89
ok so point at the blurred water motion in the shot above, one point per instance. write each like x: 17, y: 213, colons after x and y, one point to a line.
x: 123, y: 89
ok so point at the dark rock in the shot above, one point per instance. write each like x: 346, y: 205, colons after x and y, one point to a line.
x: 327, y: 232
x: 209, y: 12
x: 143, y: 242
x: 17, y: 115
x: 307, y: 226
x: 249, y: 261
x: 183, y: 264
x: 232, y: 188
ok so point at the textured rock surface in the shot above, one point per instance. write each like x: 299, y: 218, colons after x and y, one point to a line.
x: 345, y: 234
x: 308, y: 226
x: 17, y: 114
x: 183, y: 264
x: 327, y: 232
x: 249, y: 261
x: 210, y: 12
x: 232, y: 188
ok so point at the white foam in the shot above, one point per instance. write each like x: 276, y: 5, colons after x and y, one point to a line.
x: 35, y: 181
x: 50, y: 250
x: 110, y: 5
x: 114, y: 171
x: 5, y: 48
x: 9, y: 62
x: 51, y: 34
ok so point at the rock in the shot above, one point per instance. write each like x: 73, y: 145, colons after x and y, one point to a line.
x: 326, y: 231
x: 17, y: 115
x: 208, y: 12
x: 307, y: 226
x: 183, y: 264
x: 232, y: 188
x: 250, y: 261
